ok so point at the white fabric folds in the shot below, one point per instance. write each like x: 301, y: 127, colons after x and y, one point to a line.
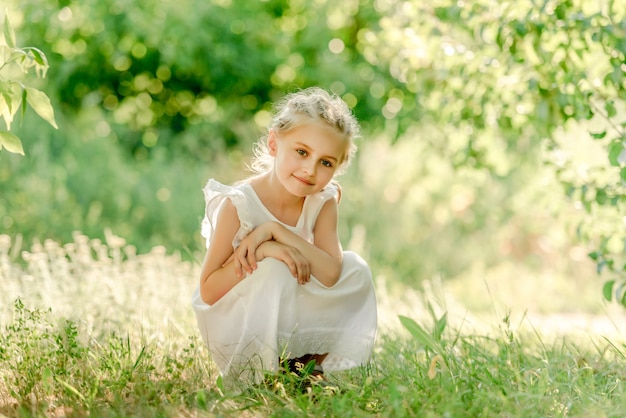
x: 269, y: 315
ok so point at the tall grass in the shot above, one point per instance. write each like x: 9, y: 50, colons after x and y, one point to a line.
x: 93, y: 328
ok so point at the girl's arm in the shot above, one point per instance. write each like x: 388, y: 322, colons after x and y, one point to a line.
x: 324, y: 255
x: 216, y: 279
x: 218, y: 276
x: 296, y: 263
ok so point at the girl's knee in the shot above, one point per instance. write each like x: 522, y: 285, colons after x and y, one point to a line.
x: 269, y: 266
x: 271, y: 270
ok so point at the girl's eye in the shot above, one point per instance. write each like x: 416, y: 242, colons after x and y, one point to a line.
x: 327, y: 163
x: 301, y: 152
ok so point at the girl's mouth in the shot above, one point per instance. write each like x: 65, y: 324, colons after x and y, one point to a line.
x: 301, y: 180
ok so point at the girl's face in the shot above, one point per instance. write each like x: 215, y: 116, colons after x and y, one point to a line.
x: 307, y: 156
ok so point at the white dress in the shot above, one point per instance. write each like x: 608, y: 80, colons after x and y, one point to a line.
x: 269, y: 315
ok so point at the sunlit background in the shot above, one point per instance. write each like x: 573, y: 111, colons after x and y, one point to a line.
x: 475, y: 154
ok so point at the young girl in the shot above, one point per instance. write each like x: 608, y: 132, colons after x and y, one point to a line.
x: 275, y: 284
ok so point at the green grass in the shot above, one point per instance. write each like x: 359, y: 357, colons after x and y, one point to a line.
x: 90, y: 328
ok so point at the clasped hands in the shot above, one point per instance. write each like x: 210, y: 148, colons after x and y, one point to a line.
x: 261, y: 243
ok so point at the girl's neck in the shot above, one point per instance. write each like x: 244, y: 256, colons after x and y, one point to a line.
x: 274, y: 195
x: 285, y: 207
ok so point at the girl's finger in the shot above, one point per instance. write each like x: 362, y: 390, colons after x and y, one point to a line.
x: 237, y: 267
x: 244, y: 265
x: 292, y: 267
x: 251, y: 260
x: 241, y: 257
x: 302, y: 273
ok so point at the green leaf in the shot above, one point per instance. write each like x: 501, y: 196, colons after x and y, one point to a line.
x: 71, y: 389
x: 201, y: 399
x: 220, y: 383
x: 610, y: 108
x: 38, y: 55
x: 41, y: 105
x: 9, y: 34
x: 6, y: 106
x: 600, y: 265
x: 620, y: 292
x: 622, y: 173
x: 598, y: 135
x: 440, y: 326
x: 39, y: 58
x: 419, y: 333
x: 24, y: 94
x: 11, y: 142
x: 615, y: 149
x: 607, y: 290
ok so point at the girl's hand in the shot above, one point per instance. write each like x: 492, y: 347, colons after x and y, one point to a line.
x: 298, y: 265
x: 244, y: 256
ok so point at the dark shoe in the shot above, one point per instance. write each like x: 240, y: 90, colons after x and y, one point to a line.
x: 308, y: 373
x: 301, y: 366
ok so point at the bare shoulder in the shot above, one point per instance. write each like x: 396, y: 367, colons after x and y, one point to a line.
x: 227, y: 212
x: 220, y: 248
x: 328, y: 215
x: 325, y: 230
x: 227, y: 222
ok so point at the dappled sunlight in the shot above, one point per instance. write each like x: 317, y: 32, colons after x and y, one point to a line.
x: 426, y: 219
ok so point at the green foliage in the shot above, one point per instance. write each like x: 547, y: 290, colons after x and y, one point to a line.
x: 483, y: 85
x: 57, y: 370
x: 13, y: 94
x: 68, y: 184
x: 613, y: 290
x: 100, y: 330
x: 35, y: 353
x: 47, y: 368
x: 510, y: 373
x: 160, y: 69
x: 510, y: 74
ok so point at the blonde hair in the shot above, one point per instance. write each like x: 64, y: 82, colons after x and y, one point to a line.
x: 315, y: 104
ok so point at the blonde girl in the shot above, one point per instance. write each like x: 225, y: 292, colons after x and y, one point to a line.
x: 275, y: 283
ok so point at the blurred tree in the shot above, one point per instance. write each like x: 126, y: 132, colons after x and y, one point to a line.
x: 159, y: 68
x: 496, y: 81
x: 511, y: 75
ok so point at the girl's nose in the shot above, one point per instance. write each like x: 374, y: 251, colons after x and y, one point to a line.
x: 309, y: 168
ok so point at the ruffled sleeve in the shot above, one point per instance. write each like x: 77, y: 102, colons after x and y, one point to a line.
x: 330, y: 191
x: 215, y: 193
x: 313, y: 206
